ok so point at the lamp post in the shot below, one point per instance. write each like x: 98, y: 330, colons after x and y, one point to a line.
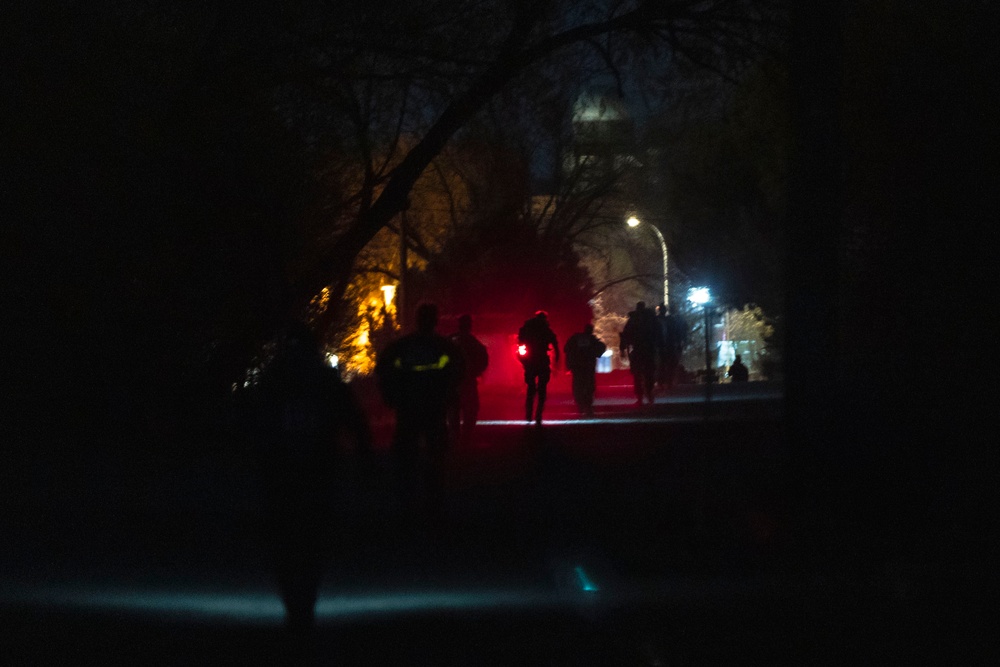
x: 402, y: 295
x: 701, y: 296
x: 635, y: 222
x: 388, y: 293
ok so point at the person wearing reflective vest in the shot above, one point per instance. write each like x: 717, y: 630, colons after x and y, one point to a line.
x: 418, y: 376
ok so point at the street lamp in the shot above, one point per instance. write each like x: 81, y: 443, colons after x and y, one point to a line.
x: 403, y: 293
x: 388, y: 292
x: 701, y: 296
x: 635, y: 222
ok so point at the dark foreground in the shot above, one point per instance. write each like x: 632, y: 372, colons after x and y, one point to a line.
x: 641, y: 538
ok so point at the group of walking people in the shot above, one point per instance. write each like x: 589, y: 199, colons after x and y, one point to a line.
x: 431, y: 380
x: 303, y: 410
x: 581, y: 352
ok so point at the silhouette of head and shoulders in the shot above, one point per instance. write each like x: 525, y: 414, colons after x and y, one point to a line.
x: 537, y: 335
x: 473, y: 350
x: 423, y: 364
x: 738, y: 371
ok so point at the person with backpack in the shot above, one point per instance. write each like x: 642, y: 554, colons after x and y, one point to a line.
x: 639, y: 342
x: 582, y: 351
x: 534, y: 338
x: 465, y: 411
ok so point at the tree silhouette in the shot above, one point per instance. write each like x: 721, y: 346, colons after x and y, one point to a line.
x: 185, y: 179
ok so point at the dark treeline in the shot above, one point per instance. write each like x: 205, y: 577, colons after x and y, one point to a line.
x: 889, y: 246
x: 171, y: 199
x: 153, y: 192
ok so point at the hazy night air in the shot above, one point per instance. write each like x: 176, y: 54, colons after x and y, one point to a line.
x: 192, y: 192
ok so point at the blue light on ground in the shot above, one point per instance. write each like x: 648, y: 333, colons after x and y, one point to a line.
x: 585, y: 583
x: 258, y: 607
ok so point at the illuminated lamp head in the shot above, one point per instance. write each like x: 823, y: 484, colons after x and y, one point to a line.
x: 699, y: 296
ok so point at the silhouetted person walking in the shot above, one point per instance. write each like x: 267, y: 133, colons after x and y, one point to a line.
x: 418, y: 376
x: 737, y: 371
x: 476, y: 358
x: 302, y: 410
x: 674, y: 333
x: 639, y: 341
x: 534, y: 338
x: 582, y: 351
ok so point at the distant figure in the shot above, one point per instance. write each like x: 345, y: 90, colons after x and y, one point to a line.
x: 476, y: 358
x: 639, y: 341
x: 738, y: 372
x: 303, y: 410
x: 534, y: 338
x: 582, y: 351
x: 674, y: 333
x: 418, y: 376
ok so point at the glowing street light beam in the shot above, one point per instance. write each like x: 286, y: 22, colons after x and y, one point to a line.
x: 699, y: 296
x: 388, y: 293
x: 635, y: 222
x: 702, y: 296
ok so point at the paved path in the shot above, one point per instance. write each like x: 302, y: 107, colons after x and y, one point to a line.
x: 647, y: 534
